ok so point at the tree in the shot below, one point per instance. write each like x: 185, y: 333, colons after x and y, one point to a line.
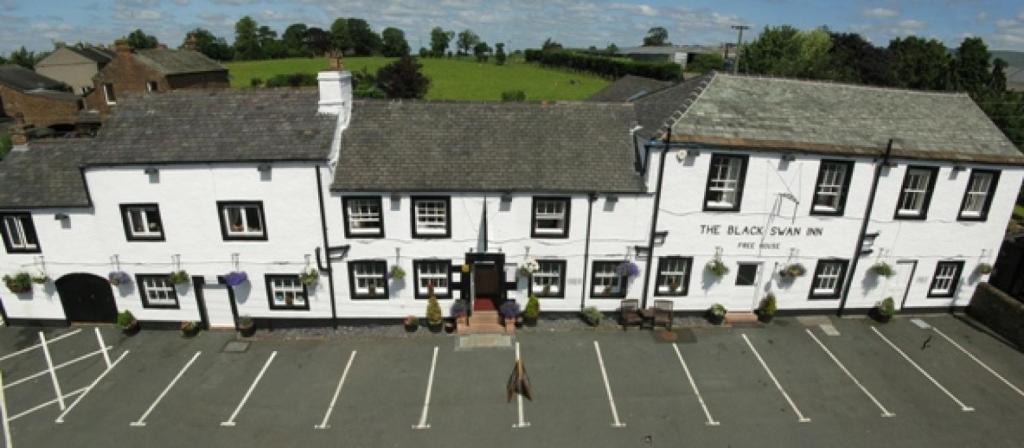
x: 394, y: 43
x: 499, y: 53
x: 24, y: 58
x: 318, y: 41
x: 466, y: 41
x: 970, y: 65
x: 787, y: 51
x: 138, y: 40
x: 703, y: 63
x: 998, y: 83
x: 340, y: 38
x: 481, y: 51
x: 612, y: 49
x: 296, y: 40
x: 656, y: 37
x: 919, y: 64
x: 270, y: 47
x: 853, y: 59
x: 549, y: 44
x: 402, y: 79
x: 206, y: 43
x: 247, y: 42
x: 439, y: 40
x: 365, y: 42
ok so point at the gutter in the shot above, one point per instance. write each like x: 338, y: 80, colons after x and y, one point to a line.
x: 863, y: 228
x: 654, y: 217
x: 327, y: 244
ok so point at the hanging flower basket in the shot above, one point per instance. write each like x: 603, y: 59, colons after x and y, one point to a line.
x: 178, y: 277
x: 628, y: 269
x: 529, y: 267
x: 309, y: 277
x: 465, y: 268
x: 118, y: 278
x: 984, y: 268
x: 19, y: 283
x: 793, y: 271
x: 236, y: 278
x: 717, y: 267
x: 40, y: 279
x: 883, y: 269
x: 396, y: 273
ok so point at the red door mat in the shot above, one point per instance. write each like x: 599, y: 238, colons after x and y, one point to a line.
x: 483, y: 304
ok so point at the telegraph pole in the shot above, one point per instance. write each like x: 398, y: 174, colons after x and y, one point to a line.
x: 739, y: 46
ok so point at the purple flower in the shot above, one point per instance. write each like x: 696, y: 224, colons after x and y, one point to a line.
x: 628, y: 268
x: 118, y: 278
x: 235, y: 278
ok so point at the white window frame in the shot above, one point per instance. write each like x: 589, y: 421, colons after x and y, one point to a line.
x: 282, y: 287
x: 606, y: 274
x: 553, y: 210
x: 359, y: 213
x: 426, y: 272
x: 725, y: 177
x: 980, y: 186
x: 108, y: 93
x: 14, y: 227
x: 673, y: 267
x: 245, y: 232
x: 158, y: 291
x: 946, y: 279
x: 550, y: 274
x: 132, y: 212
x: 832, y: 181
x: 828, y: 279
x: 430, y: 217
x: 913, y: 199
x: 365, y: 273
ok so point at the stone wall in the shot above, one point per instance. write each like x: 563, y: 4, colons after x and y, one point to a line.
x: 998, y: 311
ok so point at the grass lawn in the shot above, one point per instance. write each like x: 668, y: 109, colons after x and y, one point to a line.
x: 451, y: 79
x: 1018, y: 211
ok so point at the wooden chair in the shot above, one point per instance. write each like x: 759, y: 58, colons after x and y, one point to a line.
x: 663, y: 314
x: 629, y: 310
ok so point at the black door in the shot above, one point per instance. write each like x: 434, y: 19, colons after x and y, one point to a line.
x: 87, y: 298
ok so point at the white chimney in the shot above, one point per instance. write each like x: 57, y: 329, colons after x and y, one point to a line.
x: 335, y: 90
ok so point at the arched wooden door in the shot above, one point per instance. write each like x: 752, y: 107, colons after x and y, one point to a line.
x: 87, y: 298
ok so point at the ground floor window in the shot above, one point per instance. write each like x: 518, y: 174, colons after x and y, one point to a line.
x: 828, y: 280
x: 157, y: 291
x: 673, y: 276
x: 946, y: 279
x: 607, y: 281
x: 433, y: 274
x: 746, y: 274
x: 286, y: 292
x: 549, y: 279
x: 368, y: 279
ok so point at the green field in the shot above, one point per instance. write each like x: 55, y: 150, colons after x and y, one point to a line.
x: 450, y: 79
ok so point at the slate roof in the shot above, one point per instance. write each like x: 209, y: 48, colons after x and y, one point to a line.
x: 47, y: 175
x: 654, y: 110
x: 96, y: 54
x: 217, y: 125
x: 474, y: 146
x: 829, y: 118
x: 628, y: 88
x: 24, y: 80
x: 177, y: 62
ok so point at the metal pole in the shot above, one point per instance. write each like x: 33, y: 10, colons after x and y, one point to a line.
x: 739, y: 46
x: 53, y: 373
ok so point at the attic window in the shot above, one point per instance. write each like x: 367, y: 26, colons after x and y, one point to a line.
x: 151, y: 86
x: 108, y: 94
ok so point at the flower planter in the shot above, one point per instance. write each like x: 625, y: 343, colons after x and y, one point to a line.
x: 246, y: 329
x: 411, y: 328
x: 449, y: 326
x: 189, y: 331
x: 435, y: 327
x: 716, y: 319
x: 530, y: 321
x: 132, y: 328
x: 880, y: 317
x: 765, y: 318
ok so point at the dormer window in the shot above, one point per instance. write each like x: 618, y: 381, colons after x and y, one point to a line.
x: 108, y: 94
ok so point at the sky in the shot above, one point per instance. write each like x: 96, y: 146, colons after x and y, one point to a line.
x: 36, y: 24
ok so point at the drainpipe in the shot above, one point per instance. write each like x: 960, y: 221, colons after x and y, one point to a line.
x: 586, y: 248
x: 654, y: 217
x: 323, y: 229
x: 863, y: 229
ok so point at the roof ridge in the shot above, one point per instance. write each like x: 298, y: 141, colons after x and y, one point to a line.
x: 843, y: 84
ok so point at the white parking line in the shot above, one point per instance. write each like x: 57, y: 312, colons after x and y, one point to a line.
x: 799, y: 415
x: 60, y: 418
x: 983, y: 365
x: 885, y: 412
x: 56, y: 367
x: 608, y: 388
x: 337, y: 391
x: 44, y: 405
x: 231, y: 420
x: 693, y: 384
x: 142, y: 420
x: 3, y: 409
x: 38, y: 345
x: 519, y: 398
x: 963, y: 407
x: 53, y: 373
x: 426, y: 400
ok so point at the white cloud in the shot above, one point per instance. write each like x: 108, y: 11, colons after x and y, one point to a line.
x: 1005, y: 23
x: 645, y: 10
x: 880, y: 13
x: 911, y: 24
x: 982, y: 16
x: 137, y: 14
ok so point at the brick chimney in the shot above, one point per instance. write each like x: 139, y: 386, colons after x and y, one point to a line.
x: 122, y: 48
x: 335, y: 89
x: 19, y: 139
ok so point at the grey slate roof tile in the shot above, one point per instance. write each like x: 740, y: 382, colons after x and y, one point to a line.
x: 24, y: 80
x: 176, y: 62
x: 463, y: 146
x: 47, y: 175
x: 629, y: 87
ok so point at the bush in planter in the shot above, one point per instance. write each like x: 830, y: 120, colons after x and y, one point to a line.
x: 236, y: 278
x: 793, y: 271
x: 984, y: 268
x: 510, y: 311
x: 717, y: 267
x: 396, y: 273
x: 885, y: 310
x: 883, y: 269
x: 189, y: 328
x: 246, y: 326
x: 126, y: 322
x: 532, y: 311
x: 411, y: 323
x: 768, y: 308
x: 592, y: 316
x: 435, y: 319
x: 118, y: 278
x: 309, y: 277
x: 716, y: 314
x: 21, y: 282
x: 178, y: 277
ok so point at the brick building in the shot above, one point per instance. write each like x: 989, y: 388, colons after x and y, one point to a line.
x: 43, y: 102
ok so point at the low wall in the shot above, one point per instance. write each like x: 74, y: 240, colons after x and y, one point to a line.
x: 998, y: 311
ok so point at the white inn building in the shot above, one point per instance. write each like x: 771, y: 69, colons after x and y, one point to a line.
x: 611, y: 200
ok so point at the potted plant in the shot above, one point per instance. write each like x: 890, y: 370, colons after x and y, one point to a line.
x: 236, y: 278
x: 435, y: 319
x: 883, y: 269
x: 768, y: 308
x: 717, y: 268
x: 40, y: 279
x: 246, y: 326
x: 178, y: 277
x: 412, y: 323
x: 19, y: 283
x: 396, y: 273
x: 529, y: 267
x: 189, y: 328
x: 118, y: 278
x: 793, y: 270
x: 984, y: 268
x: 510, y: 312
x: 592, y: 316
x: 884, y: 310
x: 532, y: 311
x: 127, y: 323
x: 309, y: 277
x: 716, y: 314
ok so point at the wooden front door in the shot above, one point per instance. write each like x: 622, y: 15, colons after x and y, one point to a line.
x: 486, y: 284
x: 87, y: 298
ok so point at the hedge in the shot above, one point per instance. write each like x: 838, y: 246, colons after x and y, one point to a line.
x: 604, y: 66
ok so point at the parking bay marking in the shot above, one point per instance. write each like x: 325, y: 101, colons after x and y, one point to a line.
x: 337, y: 391
x: 426, y: 400
x: 693, y: 384
x: 142, y: 420
x: 885, y: 412
x: 231, y: 420
x: 982, y: 364
x: 60, y: 418
x: 39, y: 345
x: 608, y: 388
x: 963, y: 407
x: 799, y: 415
x: 519, y: 400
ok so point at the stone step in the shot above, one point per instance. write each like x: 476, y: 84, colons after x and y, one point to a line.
x: 740, y: 317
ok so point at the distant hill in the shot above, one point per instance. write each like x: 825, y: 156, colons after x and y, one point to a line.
x: 1014, y: 58
x: 1015, y: 72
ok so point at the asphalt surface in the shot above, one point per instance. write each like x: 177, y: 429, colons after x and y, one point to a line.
x: 383, y: 395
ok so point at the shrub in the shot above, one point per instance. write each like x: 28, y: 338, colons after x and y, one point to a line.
x: 717, y: 267
x: 21, y: 282
x: 434, y: 315
x: 245, y: 322
x: 984, y: 268
x: 887, y: 307
x: 532, y: 308
x: 717, y: 310
x: 40, y: 279
x: 125, y: 319
x: 883, y: 269
x: 256, y: 82
x: 516, y: 96
x: 292, y: 80
x: 592, y: 316
x: 178, y: 277
x: 189, y: 326
x: 411, y: 321
x: 604, y: 66
x: 703, y: 63
x: 309, y: 277
x: 403, y: 79
x: 769, y: 306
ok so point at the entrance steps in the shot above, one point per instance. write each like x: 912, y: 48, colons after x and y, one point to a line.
x: 482, y: 322
x: 740, y: 318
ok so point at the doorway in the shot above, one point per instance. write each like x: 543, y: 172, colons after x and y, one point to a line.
x: 898, y: 286
x: 219, y: 310
x: 486, y: 286
x: 87, y: 298
x: 748, y: 281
